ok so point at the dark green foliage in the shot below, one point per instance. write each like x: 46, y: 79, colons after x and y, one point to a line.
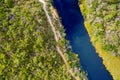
x: 110, y: 47
x: 9, y: 3
x: 27, y: 45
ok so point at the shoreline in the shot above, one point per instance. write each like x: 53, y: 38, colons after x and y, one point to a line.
x: 111, y: 62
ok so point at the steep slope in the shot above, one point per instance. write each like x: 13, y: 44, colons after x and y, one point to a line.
x: 28, y: 48
x: 102, y: 21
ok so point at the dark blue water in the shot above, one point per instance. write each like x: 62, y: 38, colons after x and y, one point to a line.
x: 79, y: 39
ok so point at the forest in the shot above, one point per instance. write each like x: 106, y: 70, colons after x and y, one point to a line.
x: 27, y: 44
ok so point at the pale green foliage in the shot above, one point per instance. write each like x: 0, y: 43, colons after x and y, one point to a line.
x: 103, y: 17
x: 103, y: 25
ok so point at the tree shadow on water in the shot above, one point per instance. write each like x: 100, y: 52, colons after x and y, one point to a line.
x: 70, y: 16
x: 76, y: 33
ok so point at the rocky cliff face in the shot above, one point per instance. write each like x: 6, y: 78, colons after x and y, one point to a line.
x: 102, y: 20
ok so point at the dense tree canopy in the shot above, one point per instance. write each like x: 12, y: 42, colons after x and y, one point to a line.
x: 27, y: 45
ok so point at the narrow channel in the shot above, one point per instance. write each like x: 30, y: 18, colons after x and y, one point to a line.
x: 76, y: 33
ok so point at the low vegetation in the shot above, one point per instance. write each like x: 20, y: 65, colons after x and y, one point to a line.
x: 27, y: 45
x: 102, y: 21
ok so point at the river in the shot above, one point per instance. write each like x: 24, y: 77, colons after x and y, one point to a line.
x: 76, y: 33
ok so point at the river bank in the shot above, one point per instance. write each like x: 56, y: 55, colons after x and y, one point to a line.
x: 79, y: 40
x: 111, y: 62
